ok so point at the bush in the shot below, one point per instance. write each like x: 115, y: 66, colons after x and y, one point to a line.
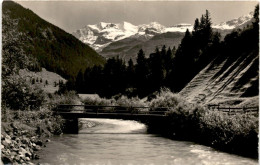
x: 99, y: 101
x: 234, y: 133
x: 18, y: 94
x: 165, y: 98
x: 69, y: 97
x: 42, y: 122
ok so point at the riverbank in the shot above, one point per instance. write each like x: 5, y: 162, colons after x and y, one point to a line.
x: 236, y: 134
x: 24, y: 133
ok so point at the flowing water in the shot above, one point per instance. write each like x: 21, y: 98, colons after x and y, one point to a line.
x: 109, y: 142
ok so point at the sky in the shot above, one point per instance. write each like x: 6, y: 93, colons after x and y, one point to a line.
x: 73, y: 15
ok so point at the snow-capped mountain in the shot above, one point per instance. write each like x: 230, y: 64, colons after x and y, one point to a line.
x: 100, y: 35
x: 234, y: 23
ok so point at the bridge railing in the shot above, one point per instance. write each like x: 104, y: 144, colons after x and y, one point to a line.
x: 144, y: 110
x: 233, y: 110
x: 110, y: 109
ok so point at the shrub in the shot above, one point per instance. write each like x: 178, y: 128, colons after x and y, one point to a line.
x: 42, y: 122
x: 165, y: 98
x: 18, y: 94
x: 99, y: 101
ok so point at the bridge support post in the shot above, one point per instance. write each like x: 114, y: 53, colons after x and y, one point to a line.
x: 71, y: 126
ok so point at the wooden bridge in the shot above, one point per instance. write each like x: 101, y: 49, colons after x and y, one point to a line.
x: 71, y: 113
x: 98, y: 111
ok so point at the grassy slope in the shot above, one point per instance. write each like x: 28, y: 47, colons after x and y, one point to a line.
x: 55, y: 49
x: 43, y: 76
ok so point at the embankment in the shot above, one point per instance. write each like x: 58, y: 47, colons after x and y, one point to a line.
x: 236, y: 134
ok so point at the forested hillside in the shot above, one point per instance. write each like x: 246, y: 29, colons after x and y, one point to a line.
x: 32, y: 40
x: 233, y: 75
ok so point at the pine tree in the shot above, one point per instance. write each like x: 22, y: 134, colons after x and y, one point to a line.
x: 79, y: 81
x: 141, y: 79
x: 196, y: 25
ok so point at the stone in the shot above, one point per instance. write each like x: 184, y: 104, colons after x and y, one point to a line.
x: 22, y: 150
x: 25, y: 140
x: 30, y: 150
x: 17, y: 158
x: 37, y: 148
x: 35, y: 156
x: 33, y: 139
x: 24, y: 132
x: 27, y: 159
x: 48, y: 140
x: 39, y: 142
x: 15, y: 149
x: 5, y: 143
x: 18, y: 140
x: 2, y: 146
x: 6, y: 160
x: 13, y: 154
x: 8, y: 137
x: 28, y: 154
x: 12, y: 125
x: 8, y: 141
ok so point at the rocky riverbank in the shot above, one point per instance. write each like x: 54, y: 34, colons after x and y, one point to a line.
x: 20, y: 146
x: 25, y: 133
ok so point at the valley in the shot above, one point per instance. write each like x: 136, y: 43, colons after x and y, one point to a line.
x: 151, y: 86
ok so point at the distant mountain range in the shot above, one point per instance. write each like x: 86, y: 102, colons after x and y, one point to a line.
x: 125, y: 39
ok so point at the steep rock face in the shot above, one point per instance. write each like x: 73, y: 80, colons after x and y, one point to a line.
x: 52, y: 47
x: 225, y: 80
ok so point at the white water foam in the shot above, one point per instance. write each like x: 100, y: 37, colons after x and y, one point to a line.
x: 113, y: 126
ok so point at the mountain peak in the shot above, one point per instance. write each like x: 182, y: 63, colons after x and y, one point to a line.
x: 234, y: 23
x: 102, y: 34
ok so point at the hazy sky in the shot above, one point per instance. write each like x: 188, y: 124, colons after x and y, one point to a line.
x: 72, y: 15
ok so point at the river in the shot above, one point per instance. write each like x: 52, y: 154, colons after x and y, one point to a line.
x: 116, y: 142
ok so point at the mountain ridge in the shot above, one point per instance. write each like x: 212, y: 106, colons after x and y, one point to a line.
x: 101, y: 35
x: 53, y: 48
